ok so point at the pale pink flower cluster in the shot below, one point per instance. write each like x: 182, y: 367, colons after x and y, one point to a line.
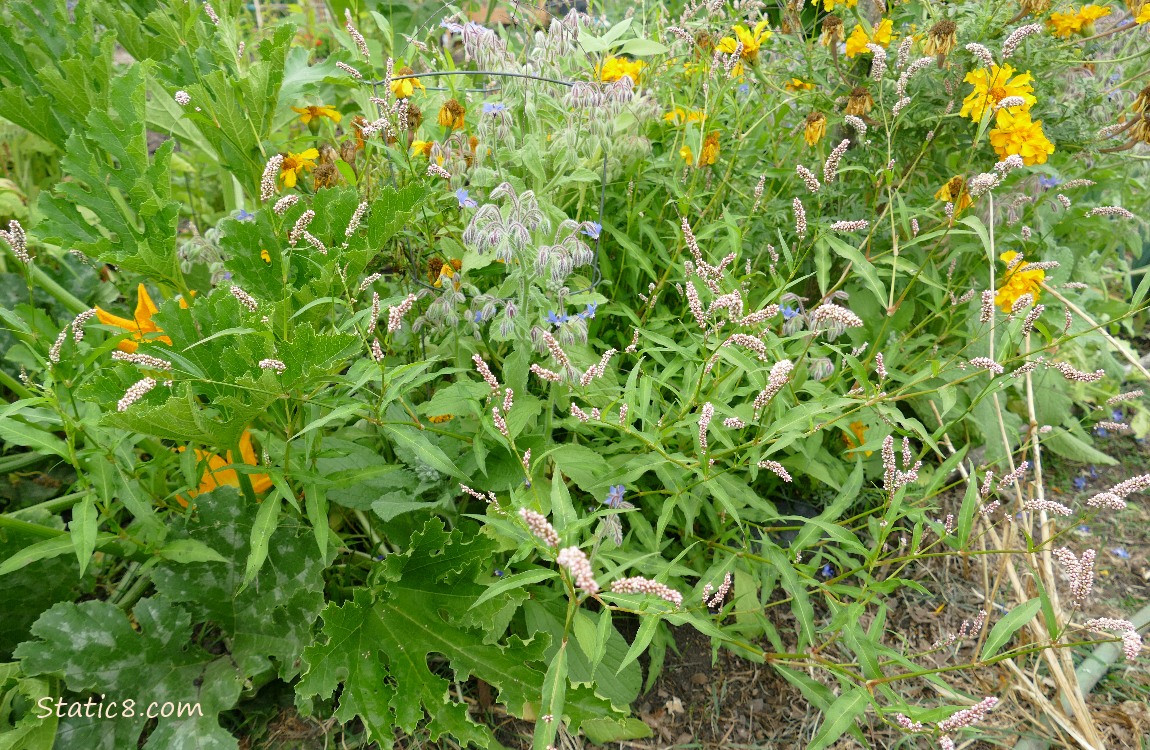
x: 270, y: 177
x: 715, y: 601
x: 435, y: 170
x: 577, y: 563
x: 1010, y: 479
x: 356, y: 218
x: 833, y: 319
x: 1128, y: 396
x: 1070, y: 373
x: 485, y: 372
x: 831, y: 165
x: 135, y: 393
x: 374, y: 317
x: 143, y: 360
x: 395, y: 313
x: 809, y: 178
x: 1131, y: 641
x: 986, y: 313
x: 880, y: 366
x: 779, y: 376
x: 538, y: 525
x: 1016, y: 37
x: 544, y: 374
x: 1049, y: 506
x: 488, y: 498
x: 1115, y: 497
x: 245, y: 299
x: 272, y: 364
x: 705, y: 415
x: 1118, y: 211
x: 734, y: 423
x: 299, y: 229
x: 1080, y: 571
x: 640, y: 585
x: 579, y: 413
x: 360, y: 42
x: 749, y: 342
x: 500, y: 422
x: 968, y: 716
x: 775, y: 468
x: 850, y: 226
x: 800, y: 218
x: 597, y: 370
x: 284, y: 203
x: 182, y: 98
x: 892, y: 477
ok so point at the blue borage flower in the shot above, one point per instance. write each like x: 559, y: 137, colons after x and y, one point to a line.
x: 1079, y: 483
x: 592, y: 229
x: 557, y: 319
x: 789, y: 312
x: 465, y: 199
x: 1120, y: 553
x: 589, y: 312
x: 245, y: 216
x: 615, y: 496
x: 494, y: 108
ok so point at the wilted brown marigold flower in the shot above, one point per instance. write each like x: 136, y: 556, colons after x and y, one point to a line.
x: 859, y: 102
x: 434, y: 267
x: 325, y: 174
x: 709, y: 152
x: 954, y: 191
x: 1142, y: 101
x: 451, y: 114
x: 414, y: 117
x: 704, y: 41
x: 1034, y: 7
x: 815, y: 128
x: 832, y: 31
x: 941, y: 39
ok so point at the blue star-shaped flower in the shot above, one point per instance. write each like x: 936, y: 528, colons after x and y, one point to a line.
x: 592, y: 229
x: 589, y: 312
x: 1120, y: 553
x: 789, y: 312
x: 245, y: 216
x: 557, y: 320
x: 1079, y: 483
x: 494, y: 108
x: 464, y: 198
x: 614, y: 496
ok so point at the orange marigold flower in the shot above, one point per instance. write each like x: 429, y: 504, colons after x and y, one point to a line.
x: 1017, y: 282
x: 315, y: 112
x: 1015, y: 133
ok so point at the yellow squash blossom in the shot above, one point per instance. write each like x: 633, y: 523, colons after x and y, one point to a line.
x: 293, y: 164
x: 679, y: 116
x: 421, y: 148
x: 858, y: 40
x: 1017, y: 282
x: 139, y: 325
x: 215, y: 475
x: 614, y: 68
x: 859, y: 431
x: 994, y: 85
x: 954, y: 191
x: 404, y: 87
x: 309, y: 113
x: 752, y: 41
x: 829, y: 5
x: 1015, y: 133
x: 797, y: 84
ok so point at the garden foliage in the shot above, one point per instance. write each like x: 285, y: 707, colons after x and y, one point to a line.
x: 388, y: 388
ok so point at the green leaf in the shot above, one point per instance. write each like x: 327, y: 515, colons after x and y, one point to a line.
x: 859, y: 263
x: 377, y: 647
x: 642, y: 47
x: 554, y: 696
x: 519, y: 580
x: 84, y: 527
x: 642, y: 639
x: 840, y: 717
x: 967, y: 513
x: 15, y: 432
x: 1008, y: 626
x: 268, y: 622
x: 32, y: 730
x: 417, y: 442
x: 189, y: 551
x: 800, y: 600
x: 262, y: 530
x: 94, y: 645
x: 1067, y: 445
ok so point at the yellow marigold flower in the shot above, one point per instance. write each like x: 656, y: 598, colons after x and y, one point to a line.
x: 293, y: 164
x: 140, y: 324
x: 686, y: 155
x: 421, y: 148
x: 858, y: 40
x: 215, y: 475
x: 1144, y: 15
x: 954, y: 191
x: 797, y: 84
x: 1014, y: 133
x: 829, y: 5
x: 440, y: 418
x: 1017, y: 282
x: 751, y: 40
x: 451, y: 114
x: 680, y: 116
x: 614, y: 68
x: 447, y: 272
x: 309, y: 113
x: 265, y: 256
x: 815, y: 128
x: 1065, y: 25
x: 994, y: 85
x: 405, y: 87
x: 1088, y: 14
x: 710, y: 149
